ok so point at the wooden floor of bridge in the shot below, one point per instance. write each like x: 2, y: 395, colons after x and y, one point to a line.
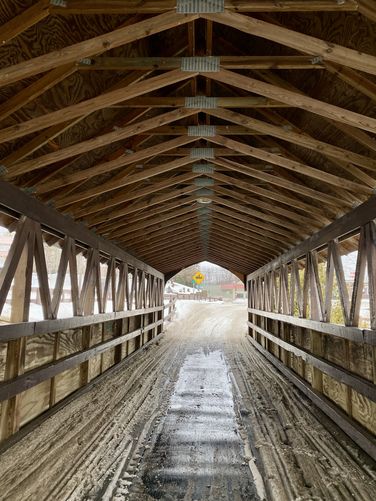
x: 198, y: 415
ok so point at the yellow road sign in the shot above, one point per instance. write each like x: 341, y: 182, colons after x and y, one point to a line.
x: 198, y: 277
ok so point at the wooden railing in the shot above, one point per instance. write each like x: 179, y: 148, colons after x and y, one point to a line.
x: 43, y: 362
x: 330, y: 355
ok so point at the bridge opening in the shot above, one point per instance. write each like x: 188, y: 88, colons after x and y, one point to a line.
x: 206, y: 280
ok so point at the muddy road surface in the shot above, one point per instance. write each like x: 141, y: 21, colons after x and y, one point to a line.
x: 197, y: 416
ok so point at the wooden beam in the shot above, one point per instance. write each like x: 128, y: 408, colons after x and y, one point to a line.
x: 266, y: 206
x: 146, y: 204
x: 353, y: 78
x: 178, y: 130
x: 292, y: 165
x: 272, y: 229
x: 121, y: 198
x: 140, y: 217
x: 93, y: 104
x: 278, y: 181
x: 63, y: 201
x: 226, y: 62
x: 105, y: 167
x: 182, y: 251
x: 160, y: 218
x: 161, y: 227
x: 235, y: 228
x: 180, y: 101
x: 35, y: 89
x: 293, y: 137
x: 96, y: 142
x: 294, y: 99
x: 24, y: 21
x: 165, y: 232
x: 93, y: 46
x: 156, y: 6
x: 37, y: 142
x: 255, y: 214
x: 328, y: 51
x: 368, y: 9
x: 185, y: 232
x: 277, y: 196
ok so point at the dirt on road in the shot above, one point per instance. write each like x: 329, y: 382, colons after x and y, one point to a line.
x: 200, y: 415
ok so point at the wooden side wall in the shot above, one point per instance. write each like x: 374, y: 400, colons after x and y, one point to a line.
x: 318, y: 325
x: 117, y: 304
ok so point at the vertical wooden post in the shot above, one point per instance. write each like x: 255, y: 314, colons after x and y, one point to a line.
x: 87, y: 303
x: 15, y: 360
x: 317, y: 347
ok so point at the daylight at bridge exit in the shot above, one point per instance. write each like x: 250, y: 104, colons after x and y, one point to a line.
x: 188, y: 250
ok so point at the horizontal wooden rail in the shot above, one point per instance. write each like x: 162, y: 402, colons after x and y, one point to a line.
x: 10, y: 332
x: 359, y: 384
x: 9, y: 389
x: 358, y: 434
x: 355, y: 334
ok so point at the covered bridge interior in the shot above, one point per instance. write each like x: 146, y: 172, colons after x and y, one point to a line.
x: 146, y: 136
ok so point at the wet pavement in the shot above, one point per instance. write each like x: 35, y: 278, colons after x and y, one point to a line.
x: 198, y: 453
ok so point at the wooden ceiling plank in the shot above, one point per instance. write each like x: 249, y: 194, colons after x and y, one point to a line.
x: 300, y: 139
x: 166, y: 232
x: 360, y: 136
x: 93, y: 104
x: 368, y: 9
x: 295, y: 99
x: 96, y: 142
x: 182, y: 255
x: 307, y: 44
x: 120, y: 198
x: 24, y: 21
x: 35, y: 144
x: 227, y: 261
x: 166, y: 244
x: 229, y: 245
x: 93, y: 46
x: 182, y: 250
x: 162, y: 209
x: 292, y: 165
x: 111, y: 185
x: 276, y: 196
x: 352, y: 197
x: 277, y: 209
x: 187, y: 233
x: 238, y: 230
x: 255, y: 214
x: 247, y: 243
x: 146, y: 204
x: 56, y: 130
x: 104, y: 167
x: 269, y: 178
x: 354, y: 79
x: 160, y: 218
x: 34, y: 90
x: 140, y: 246
x: 281, y: 121
x: 272, y: 229
x: 80, y: 7
x: 227, y: 62
x: 164, y: 226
